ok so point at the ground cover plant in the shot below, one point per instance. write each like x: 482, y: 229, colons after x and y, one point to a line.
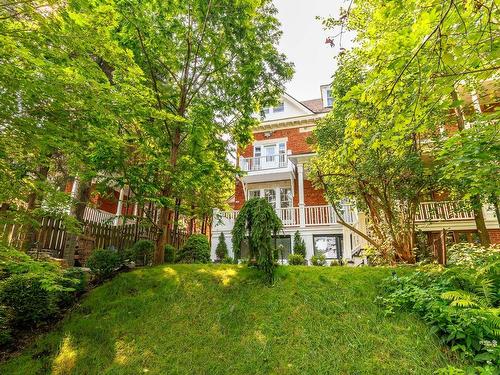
x: 33, y: 292
x: 223, y: 319
x: 461, y: 302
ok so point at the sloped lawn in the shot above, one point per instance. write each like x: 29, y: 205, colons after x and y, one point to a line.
x: 208, y: 319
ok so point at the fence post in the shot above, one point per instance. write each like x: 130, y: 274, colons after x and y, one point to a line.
x: 442, y: 257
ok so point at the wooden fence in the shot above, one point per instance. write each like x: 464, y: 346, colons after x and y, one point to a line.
x: 51, y: 235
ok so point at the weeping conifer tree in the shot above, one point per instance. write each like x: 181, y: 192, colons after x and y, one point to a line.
x: 257, y: 221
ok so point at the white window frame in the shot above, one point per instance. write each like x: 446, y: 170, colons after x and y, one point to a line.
x: 251, y: 191
x: 277, y: 195
x: 280, y: 107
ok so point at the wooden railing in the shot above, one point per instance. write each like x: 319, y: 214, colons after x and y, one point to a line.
x: 443, y: 211
x: 98, y: 216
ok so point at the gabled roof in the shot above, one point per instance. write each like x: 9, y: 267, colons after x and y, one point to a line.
x: 297, y: 103
x: 315, y: 105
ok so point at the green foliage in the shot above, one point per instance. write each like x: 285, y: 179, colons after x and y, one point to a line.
x: 5, y: 330
x: 142, y: 252
x: 472, y: 256
x: 258, y: 222
x: 296, y: 260
x: 299, y: 246
x: 228, y: 260
x: 376, y: 257
x: 461, y: 303
x: 468, y: 161
x: 175, y: 298
x: 103, y: 263
x: 142, y: 94
x: 221, y: 249
x: 195, y: 250
x: 318, y: 260
x: 337, y: 262
x: 33, y: 291
x: 169, y: 253
x: 28, y: 300
x: 392, y: 96
x: 73, y: 283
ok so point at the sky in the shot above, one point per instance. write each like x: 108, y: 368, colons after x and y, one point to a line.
x: 303, y: 41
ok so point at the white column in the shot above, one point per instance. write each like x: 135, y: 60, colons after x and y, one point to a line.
x: 302, y: 210
x: 309, y: 242
x: 475, y: 101
x: 74, y: 188
x: 136, y: 208
x: 119, y: 207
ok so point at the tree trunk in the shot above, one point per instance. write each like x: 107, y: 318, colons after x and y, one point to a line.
x: 163, y: 223
x: 458, y: 111
x: 34, y: 201
x: 484, y: 236
x: 82, y: 199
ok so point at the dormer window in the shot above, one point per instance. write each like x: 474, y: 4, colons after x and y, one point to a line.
x: 326, y: 96
x: 279, y: 108
x: 329, y: 99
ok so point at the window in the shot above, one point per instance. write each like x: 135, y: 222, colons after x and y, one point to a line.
x: 253, y: 194
x: 281, y: 148
x: 270, y: 152
x: 279, y: 108
x: 329, y: 245
x: 286, y: 198
x: 270, y: 195
x: 329, y: 99
x: 286, y: 242
x: 264, y: 112
x: 257, y: 153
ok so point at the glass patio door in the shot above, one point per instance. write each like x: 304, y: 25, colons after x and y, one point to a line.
x: 270, y: 157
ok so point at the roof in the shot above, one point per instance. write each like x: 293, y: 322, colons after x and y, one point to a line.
x: 315, y: 105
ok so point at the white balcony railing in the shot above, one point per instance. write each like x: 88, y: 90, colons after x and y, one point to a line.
x: 442, y: 211
x: 260, y: 163
x: 291, y: 216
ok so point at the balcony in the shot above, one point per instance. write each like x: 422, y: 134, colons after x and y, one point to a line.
x: 443, y: 211
x: 267, y: 168
x: 291, y: 217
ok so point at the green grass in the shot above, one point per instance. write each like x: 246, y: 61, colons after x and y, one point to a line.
x: 208, y: 319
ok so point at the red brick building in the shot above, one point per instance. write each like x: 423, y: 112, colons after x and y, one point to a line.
x: 276, y: 166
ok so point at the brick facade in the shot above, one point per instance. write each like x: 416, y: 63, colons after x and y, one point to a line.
x: 296, y: 140
x: 494, y: 236
x: 297, y: 144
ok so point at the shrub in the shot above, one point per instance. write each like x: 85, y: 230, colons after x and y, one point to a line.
x: 28, y: 300
x: 103, y: 262
x: 195, y: 250
x: 471, y: 255
x: 296, y: 260
x: 142, y: 252
x: 299, y: 246
x: 336, y: 262
x: 169, y: 254
x: 318, y: 260
x: 33, y: 291
x: 221, y: 249
x: 228, y: 260
x: 72, y: 283
x: 5, y: 331
x: 279, y: 252
x: 460, y: 303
